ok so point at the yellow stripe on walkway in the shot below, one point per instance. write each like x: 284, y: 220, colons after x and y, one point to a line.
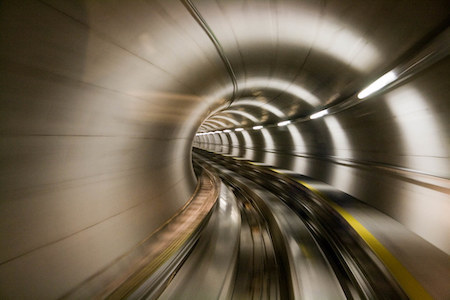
x: 410, y: 285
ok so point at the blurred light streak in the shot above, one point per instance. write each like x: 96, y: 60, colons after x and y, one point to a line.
x: 234, y: 143
x: 270, y: 157
x: 422, y: 137
x: 299, y: 147
x: 217, y: 141
x: 269, y: 107
x: 284, y: 123
x: 329, y: 36
x: 242, y: 113
x: 248, y: 144
x: 319, y: 114
x: 341, y: 144
x: 340, y: 177
x: 378, y: 84
x: 215, y: 122
x: 283, y: 86
x: 231, y: 120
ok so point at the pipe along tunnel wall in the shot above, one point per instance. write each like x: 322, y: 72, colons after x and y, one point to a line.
x: 100, y: 102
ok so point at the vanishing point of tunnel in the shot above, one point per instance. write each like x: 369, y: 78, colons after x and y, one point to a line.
x: 224, y: 149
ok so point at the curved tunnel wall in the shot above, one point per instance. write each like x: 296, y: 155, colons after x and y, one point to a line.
x: 97, y: 122
x: 100, y: 101
x: 366, y: 151
x: 390, y: 151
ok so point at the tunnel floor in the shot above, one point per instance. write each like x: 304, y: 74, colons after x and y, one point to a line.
x: 276, y: 234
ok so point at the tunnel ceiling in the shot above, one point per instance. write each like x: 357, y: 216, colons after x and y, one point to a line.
x: 101, y: 102
x: 185, y: 60
x: 290, y: 60
x: 293, y: 58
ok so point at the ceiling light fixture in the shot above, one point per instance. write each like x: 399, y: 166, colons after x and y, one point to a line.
x: 319, y: 114
x: 284, y: 123
x: 378, y: 84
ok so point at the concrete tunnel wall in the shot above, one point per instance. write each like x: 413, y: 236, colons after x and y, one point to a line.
x: 389, y: 152
x: 100, y: 101
x: 96, y: 136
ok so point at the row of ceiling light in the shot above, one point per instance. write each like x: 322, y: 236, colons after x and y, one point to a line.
x: 258, y: 127
x: 369, y: 90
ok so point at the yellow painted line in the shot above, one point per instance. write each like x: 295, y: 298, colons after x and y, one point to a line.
x: 410, y: 285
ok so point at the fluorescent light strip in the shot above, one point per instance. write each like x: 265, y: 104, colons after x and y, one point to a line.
x: 284, y: 123
x: 239, y: 129
x: 258, y: 127
x: 378, y: 84
x: 319, y: 114
x: 227, y: 130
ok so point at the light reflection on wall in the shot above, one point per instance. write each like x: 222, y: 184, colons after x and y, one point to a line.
x: 424, y: 142
x: 234, y: 144
x: 270, y: 157
x: 284, y: 86
x: 221, y: 124
x: 341, y: 176
x: 299, y: 148
x: 248, y: 143
x: 301, y: 27
x: 341, y: 145
x: 217, y: 142
x: 225, y: 143
x: 207, y: 127
x: 198, y: 141
x: 205, y: 141
x: 425, y: 211
x: 263, y: 83
x: 231, y: 120
x: 201, y: 140
x: 332, y: 37
x: 424, y: 149
x: 242, y: 113
x: 269, y: 107
x: 210, y: 141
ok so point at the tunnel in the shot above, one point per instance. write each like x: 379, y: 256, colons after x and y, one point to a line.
x: 110, y: 110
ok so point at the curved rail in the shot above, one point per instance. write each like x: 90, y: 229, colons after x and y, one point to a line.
x: 291, y: 264
x: 360, y: 273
